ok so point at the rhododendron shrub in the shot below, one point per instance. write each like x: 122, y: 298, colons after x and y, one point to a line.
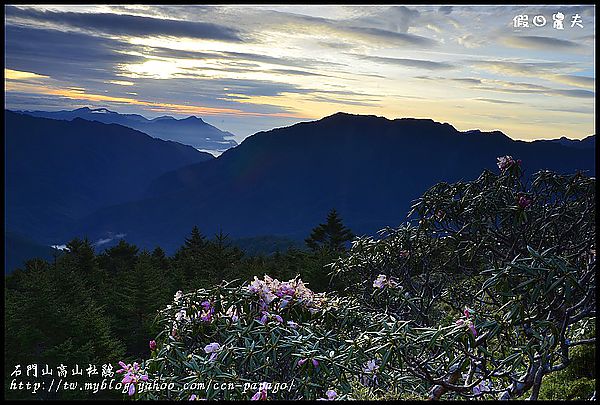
x: 490, y: 283
x: 263, y: 331
x: 483, y: 292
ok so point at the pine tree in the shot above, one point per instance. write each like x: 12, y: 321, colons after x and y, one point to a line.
x: 160, y: 258
x: 330, y: 236
x: 223, y: 259
x: 119, y: 258
x: 82, y: 252
x: 190, y: 261
x: 196, y: 242
x: 53, y: 317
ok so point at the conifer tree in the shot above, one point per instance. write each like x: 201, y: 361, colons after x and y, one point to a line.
x: 330, y: 236
x: 222, y: 258
x: 190, y: 260
x: 52, y: 317
x: 82, y: 251
x: 119, y: 258
x: 196, y: 242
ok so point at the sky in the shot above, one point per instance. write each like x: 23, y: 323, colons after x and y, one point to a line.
x: 246, y: 69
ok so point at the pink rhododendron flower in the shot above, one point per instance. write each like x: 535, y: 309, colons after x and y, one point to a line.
x: 370, y: 370
x: 212, y: 348
x: 523, y: 201
x: 469, y: 324
x: 261, y: 395
x: 264, y: 318
x: 132, y: 376
x: 472, y: 328
x: 506, y: 162
x: 483, y: 386
x: 269, y: 290
x: 152, y: 345
x: 380, y: 281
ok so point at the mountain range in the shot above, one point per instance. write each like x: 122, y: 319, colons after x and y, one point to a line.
x: 57, y: 171
x: 79, y: 178
x: 191, y: 131
x: 284, y: 181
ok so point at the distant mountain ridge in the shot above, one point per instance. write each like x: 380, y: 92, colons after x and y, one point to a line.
x: 284, y: 181
x: 191, y: 131
x: 20, y: 249
x: 588, y: 142
x: 58, y: 171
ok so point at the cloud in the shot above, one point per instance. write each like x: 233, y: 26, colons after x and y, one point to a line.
x: 467, y: 80
x: 399, y: 38
x: 339, y: 100
x: 535, y: 42
x: 272, y: 62
x: 384, y: 27
x: 87, y: 97
x: 534, y: 89
x: 523, y: 68
x: 103, y: 241
x: 573, y: 80
x: 297, y: 62
x: 19, y: 75
x: 297, y: 72
x: 163, y: 52
x: 586, y: 111
x: 504, y: 86
x: 550, y: 71
x: 126, y: 24
x: 445, y: 9
x: 414, y: 63
x: 471, y: 41
x: 574, y: 93
x: 495, y: 101
x: 245, y: 59
x: 65, y: 55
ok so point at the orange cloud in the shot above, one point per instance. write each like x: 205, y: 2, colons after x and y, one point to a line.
x: 81, y: 94
x: 19, y: 75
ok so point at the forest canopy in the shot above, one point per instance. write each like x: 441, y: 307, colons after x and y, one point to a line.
x: 487, y: 291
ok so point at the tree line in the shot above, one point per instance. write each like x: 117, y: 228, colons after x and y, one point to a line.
x: 87, y: 307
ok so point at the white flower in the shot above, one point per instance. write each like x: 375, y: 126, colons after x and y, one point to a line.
x: 180, y: 315
x: 232, y: 313
x: 178, y: 296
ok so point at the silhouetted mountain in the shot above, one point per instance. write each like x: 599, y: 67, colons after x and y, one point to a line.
x: 585, y: 143
x: 189, y: 131
x: 283, y: 182
x: 58, y: 171
x: 19, y: 249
